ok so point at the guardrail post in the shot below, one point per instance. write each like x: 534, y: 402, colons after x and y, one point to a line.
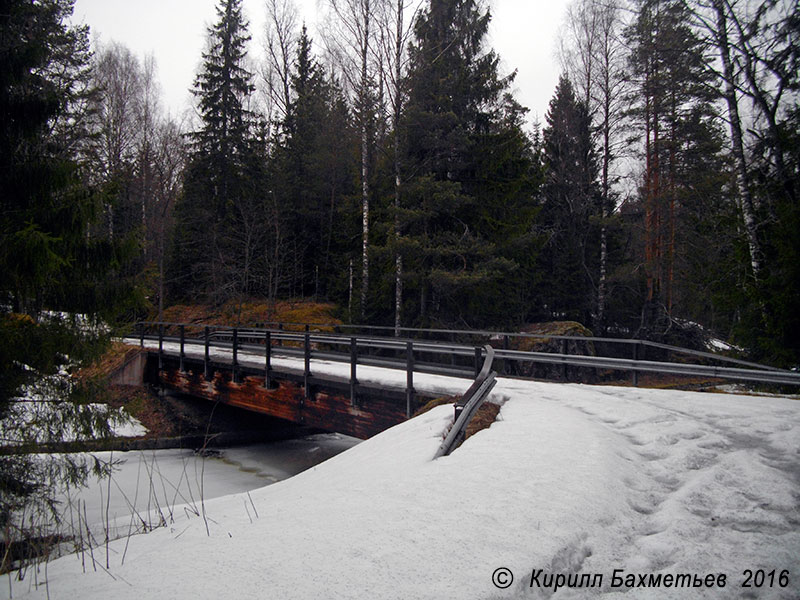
x: 506, y: 346
x: 160, y: 346
x: 267, y: 359
x: 477, y: 360
x: 306, y: 363
x: 141, y: 334
x: 235, y: 355
x: 353, y: 364
x: 183, y: 342
x: 563, y: 348
x: 206, y: 370
x: 409, y: 378
x: 636, y: 357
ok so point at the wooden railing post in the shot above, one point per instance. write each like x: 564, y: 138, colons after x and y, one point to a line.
x: 306, y: 363
x: 353, y: 364
x: 235, y: 355
x: 206, y: 369
x: 409, y: 378
x: 267, y: 359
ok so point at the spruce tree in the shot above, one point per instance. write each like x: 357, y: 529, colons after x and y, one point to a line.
x: 570, y: 207
x: 59, y: 275
x: 207, y: 257
x: 312, y: 175
x: 469, y: 206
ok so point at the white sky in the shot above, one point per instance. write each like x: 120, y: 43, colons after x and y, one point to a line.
x: 523, y: 32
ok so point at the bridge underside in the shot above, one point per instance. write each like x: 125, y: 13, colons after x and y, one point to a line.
x: 327, y: 405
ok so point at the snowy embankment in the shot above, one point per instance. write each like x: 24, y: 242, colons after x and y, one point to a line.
x: 571, y: 479
x: 34, y: 416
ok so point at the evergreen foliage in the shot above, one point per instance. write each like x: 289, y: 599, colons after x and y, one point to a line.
x: 672, y: 109
x: 221, y: 182
x: 569, y: 219
x: 59, y: 276
x: 472, y: 178
x: 313, y: 176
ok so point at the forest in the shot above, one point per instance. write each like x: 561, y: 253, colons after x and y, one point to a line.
x: 387, y: 168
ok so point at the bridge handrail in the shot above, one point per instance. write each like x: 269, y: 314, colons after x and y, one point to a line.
x: 478, y: 333
x: 469, y: 404
x: 774, y: 376
x: 544, y: 336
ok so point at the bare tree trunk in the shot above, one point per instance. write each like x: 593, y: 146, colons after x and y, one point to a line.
x: 398, y: 261
x: 350, y: 295
x: 280, y: 39
x: 737, y: 145
x: 365, y: 108
x: 601, y: 286
x: 591, y: 54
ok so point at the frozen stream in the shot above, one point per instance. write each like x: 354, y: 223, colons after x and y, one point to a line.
x: 155, y: 487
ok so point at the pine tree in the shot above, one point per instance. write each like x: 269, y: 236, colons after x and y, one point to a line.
x: 672, y: 84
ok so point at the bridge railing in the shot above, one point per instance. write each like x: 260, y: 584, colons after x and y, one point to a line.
x: 406, y: 354
x: 448, y: 357
x: 469, y: 404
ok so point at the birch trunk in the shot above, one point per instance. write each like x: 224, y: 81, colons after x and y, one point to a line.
x: 398, y: 261
x: 364, y: 93
x: 737, y: 146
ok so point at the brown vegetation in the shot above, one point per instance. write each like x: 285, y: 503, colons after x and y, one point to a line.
x: 253, y: 313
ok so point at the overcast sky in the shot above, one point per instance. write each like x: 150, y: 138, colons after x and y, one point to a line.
x: 523, y: 32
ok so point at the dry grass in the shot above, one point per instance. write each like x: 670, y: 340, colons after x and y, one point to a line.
x: 253, y: 312
x: 100, y: 370
x: 145, y: 407
x: 483, y: 419
x: 570, y: 328
x: 431, y: 404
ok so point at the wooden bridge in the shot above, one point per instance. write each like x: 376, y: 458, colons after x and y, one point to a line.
x: 353, y: 380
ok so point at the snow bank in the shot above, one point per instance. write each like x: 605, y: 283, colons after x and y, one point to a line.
x: 571, y: 480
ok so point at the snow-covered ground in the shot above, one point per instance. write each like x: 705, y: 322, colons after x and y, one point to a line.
x: 614, y: 484
x: 34, y: 416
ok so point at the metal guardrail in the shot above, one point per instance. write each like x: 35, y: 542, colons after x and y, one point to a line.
x: 372, y: 350
x: 505, y: 338
x: 469, y: 404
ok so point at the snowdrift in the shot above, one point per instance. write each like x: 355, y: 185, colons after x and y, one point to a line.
x: 600, y: 482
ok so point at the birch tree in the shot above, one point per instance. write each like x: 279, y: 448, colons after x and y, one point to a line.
x: 281, y: 33
x: 351, y: 40
x: 397, y: 28
x: 593, y: 54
